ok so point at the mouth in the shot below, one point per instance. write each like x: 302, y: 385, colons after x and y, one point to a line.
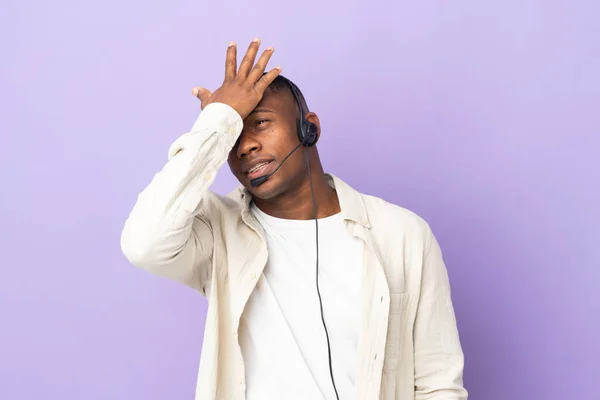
x: 259, y: 169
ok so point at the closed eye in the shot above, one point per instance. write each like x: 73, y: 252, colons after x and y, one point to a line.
x: 261, y: 122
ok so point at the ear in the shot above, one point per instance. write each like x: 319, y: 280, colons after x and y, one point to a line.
x: 314, y: 118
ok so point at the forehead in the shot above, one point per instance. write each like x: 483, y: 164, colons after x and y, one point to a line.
x: 280, y: 101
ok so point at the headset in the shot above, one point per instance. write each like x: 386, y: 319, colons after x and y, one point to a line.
x: 307, y: 133
x: 307, y: 136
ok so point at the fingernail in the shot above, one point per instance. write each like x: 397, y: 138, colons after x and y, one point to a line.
x: 269, y: 49
x: 195, y: 91
x: 231, y: 44
x: 279, y: 67
x: 256, y: 39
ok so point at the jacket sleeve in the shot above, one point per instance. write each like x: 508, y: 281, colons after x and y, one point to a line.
x: 439, y: 359
x: 168, y: 231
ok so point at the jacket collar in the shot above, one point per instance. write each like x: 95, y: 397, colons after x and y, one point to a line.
x: 351, y: 201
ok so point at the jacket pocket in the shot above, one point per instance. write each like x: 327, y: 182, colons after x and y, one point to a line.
x: 397, y: 328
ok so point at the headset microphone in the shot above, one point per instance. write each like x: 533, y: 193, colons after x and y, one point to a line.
x: 261, y: 179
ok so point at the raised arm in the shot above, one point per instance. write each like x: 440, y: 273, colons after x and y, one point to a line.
x: 168, y: 231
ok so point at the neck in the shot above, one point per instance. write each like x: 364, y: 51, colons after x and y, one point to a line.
x: 298, y: 203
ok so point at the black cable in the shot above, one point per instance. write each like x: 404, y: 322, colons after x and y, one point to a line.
x: 312, y: 190
x: 286, y: 157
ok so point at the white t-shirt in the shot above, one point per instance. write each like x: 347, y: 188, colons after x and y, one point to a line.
x: 281, y: 333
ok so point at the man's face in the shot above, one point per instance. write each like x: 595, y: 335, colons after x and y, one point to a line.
x: 269, y: 135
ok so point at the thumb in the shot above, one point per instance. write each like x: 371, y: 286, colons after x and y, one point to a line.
x: 202, y: 94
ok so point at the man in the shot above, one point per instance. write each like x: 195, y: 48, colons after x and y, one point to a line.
x: 315, y: 290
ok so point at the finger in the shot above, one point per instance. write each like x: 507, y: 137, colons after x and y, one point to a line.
x: 230, y: 61
x: 248, y: 60
x: 202, y: 94
x: 261, y: 65
x: 266, y: 79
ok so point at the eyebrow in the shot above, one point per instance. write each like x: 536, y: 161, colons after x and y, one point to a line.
x: 259, y: 110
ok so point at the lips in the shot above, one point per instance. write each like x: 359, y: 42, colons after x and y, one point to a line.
x: 260, y: 169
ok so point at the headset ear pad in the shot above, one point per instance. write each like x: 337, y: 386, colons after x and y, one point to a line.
x: 307, y: 132
x: 311, y: 133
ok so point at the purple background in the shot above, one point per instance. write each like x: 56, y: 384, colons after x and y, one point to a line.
x: 483, y: 117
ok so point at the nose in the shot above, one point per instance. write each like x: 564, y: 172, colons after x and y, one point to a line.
x: 247, y: 145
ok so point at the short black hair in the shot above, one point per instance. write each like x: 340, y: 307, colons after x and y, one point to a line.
x: 282, y: 84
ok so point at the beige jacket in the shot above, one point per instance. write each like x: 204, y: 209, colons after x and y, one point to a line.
x: 409, y: 345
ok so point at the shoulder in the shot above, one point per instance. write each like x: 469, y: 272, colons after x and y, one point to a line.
x: 383, y: 212
x: 392, y: 222
x: 385, y: 219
